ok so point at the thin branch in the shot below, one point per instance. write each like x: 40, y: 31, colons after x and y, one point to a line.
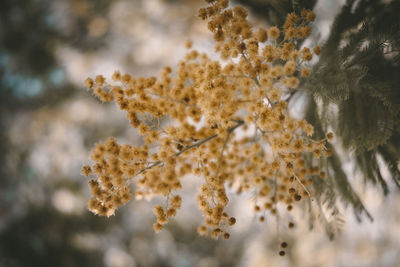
x: 230, y: 131
x: 304, y: 187
x: 159, y: 162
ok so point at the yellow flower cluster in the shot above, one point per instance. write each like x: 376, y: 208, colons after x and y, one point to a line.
x: 190, y: 119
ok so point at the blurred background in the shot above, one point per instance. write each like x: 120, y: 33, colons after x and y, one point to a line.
x: 49, y: 122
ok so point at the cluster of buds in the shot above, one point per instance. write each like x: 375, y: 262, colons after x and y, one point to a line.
x: 207, y: 103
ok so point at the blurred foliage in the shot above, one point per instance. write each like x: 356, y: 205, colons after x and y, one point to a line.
x: 42, y: 237
x: 357, y: 75
x: 30, y: 31
x: 31, y: 78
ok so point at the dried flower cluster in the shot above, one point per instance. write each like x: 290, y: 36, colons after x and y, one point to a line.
x: 190, y: 122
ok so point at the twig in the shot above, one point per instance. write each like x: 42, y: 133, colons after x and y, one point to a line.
x: 230, y: 130
x: 297, y: 178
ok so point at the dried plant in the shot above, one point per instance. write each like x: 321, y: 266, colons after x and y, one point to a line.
x: 225, y: 121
